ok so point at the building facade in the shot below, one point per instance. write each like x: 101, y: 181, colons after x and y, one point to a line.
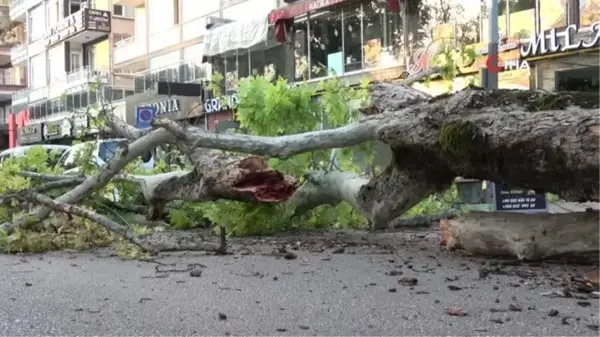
x: 67, y: 56
x: 12, y: 77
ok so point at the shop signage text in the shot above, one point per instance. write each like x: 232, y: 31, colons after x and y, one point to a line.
x: 85, y: 19
x: 495, y: 64
x: 167, y: 106
x: 518, y: 199
x: 550, y: 42
x: 30, y: 134
x: 214, y: 104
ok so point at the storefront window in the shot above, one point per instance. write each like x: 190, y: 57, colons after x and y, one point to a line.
x: 373, y: 33
x: 502, y: 21
x: 275, y: 61
x: 231, y: 75
x: 257, y: 61
x: 326, y: 54
x: 301, y: 50
x: 353, y: 48
x: 243, y: 64
x: 522, y: 18
x: 553, y: 14
x: 589, y: 12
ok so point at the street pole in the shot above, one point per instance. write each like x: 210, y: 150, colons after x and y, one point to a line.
x: 492, y: 77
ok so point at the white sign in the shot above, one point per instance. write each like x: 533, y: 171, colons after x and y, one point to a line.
x: 539, y: 44
x: 214, y: 105
x: 171, y: 105
x: 515, y: 65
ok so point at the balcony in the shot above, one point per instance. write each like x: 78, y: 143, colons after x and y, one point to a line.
x: 74, y: 81
x: 18, y: 54
x: 12, y: 36
x: 18, y: 9
x: 81, y: 27
x: 128, y: 50
x: 4, y: 14
x: 10, y: 83
x: 184, y: 72
x: 130, y: 3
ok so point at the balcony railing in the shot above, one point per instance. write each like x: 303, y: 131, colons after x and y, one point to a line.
x: 84, y: 74
x: 76, y: 101
x: 128, y: 49
x: 20, y: 97
x: 7, y: 77
x: 18, y: 53
x: 186, y: 71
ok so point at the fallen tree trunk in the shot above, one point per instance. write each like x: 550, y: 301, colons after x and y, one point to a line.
x: 531, y: 139
x: 525, y: 236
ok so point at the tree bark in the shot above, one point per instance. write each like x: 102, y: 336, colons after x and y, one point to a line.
x: 525, y: 236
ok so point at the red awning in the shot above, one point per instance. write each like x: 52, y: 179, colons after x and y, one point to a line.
x: 299, y: 8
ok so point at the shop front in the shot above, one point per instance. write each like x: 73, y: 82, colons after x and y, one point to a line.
x: 468, y: 70
x: 30, y: 134
x: 142, y: 108
x: 565, y: 59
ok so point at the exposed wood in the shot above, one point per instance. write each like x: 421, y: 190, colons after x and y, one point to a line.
x: 525, y: 236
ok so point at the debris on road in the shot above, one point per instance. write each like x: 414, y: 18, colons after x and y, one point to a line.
x: 456, y: 311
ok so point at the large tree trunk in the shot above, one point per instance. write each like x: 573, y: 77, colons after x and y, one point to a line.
x: 525, y: 236
x: 531, y: 139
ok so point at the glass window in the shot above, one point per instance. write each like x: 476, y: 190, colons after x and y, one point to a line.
x: 522, y: 18
x: 219, y: 62
x: 394, y: 46
x: 353, y: 49
x: 243, y: 62
x: 300, y: 50
x: 553, y: 14
x: 231, y: 74
x: 589, y: 12
x: 275, y: 59
x: 502, y: 21
x: 326, y: 54
x: 373, y: 33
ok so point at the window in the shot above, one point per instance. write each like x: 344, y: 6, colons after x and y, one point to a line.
x: 326, y: 54
x: 553, y: 14
x: 37, y: 71
x: 300, y: 50
x: 589, y: 12
x: 91, y: 57
x: 123, y: 11
x: 353, y: 49
x: 582, y: 79
x: 37, y: 23
x: 74, y: 6
x: 231, y: 73
x: 75, y: 61
x: 521, y: 18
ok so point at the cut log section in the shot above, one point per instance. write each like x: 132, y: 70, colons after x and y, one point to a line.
x: 525, y: 236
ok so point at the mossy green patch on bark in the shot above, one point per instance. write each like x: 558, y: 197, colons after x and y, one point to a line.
x: 460, y: 140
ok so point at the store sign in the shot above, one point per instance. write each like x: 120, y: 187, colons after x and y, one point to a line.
x: 560, y: 41
x: 518, y: 199
x: 214, y: 105
x: 30, y: 134
x: 98, y: 21
x: 144, y: 116
x: 170, y: 105
x: 85, y: 19
x: 495, y: 64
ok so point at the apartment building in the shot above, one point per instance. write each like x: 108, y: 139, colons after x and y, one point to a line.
x: 66, y: 55
x: 12, y: 78
x: 168, y: 44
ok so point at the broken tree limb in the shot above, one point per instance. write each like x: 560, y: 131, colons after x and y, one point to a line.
x: 525, y: 236
x: 152, y: 243
x: 98, y: 181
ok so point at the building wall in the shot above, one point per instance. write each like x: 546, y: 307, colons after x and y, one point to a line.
x: 547, y: 68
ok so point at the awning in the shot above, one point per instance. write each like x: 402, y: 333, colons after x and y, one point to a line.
x: 282, y: 16
x: 235, y: 35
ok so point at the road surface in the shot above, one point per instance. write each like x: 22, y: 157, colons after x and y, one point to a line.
x: 346, y: 283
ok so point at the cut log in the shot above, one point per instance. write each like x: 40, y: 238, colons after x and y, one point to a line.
x: 525, y: 236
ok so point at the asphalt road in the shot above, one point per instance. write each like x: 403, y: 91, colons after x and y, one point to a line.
x: 344, y: 284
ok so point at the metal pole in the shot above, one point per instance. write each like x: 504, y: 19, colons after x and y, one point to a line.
x: 492, y: 77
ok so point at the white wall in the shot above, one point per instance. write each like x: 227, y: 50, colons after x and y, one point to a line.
x: 37, y: 71
x: 165, y: 60
x: 56, y: 55
x: 249, y: 9
x: 37, y: 22
x: 140, y: 25
x: 161, y: 15
x: 193, y: 53
x: 192, y: 8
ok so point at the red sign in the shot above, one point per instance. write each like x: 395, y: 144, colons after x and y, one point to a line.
x: 492, y: 63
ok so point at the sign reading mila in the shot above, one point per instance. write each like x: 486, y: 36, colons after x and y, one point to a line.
x: 570, y: 38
